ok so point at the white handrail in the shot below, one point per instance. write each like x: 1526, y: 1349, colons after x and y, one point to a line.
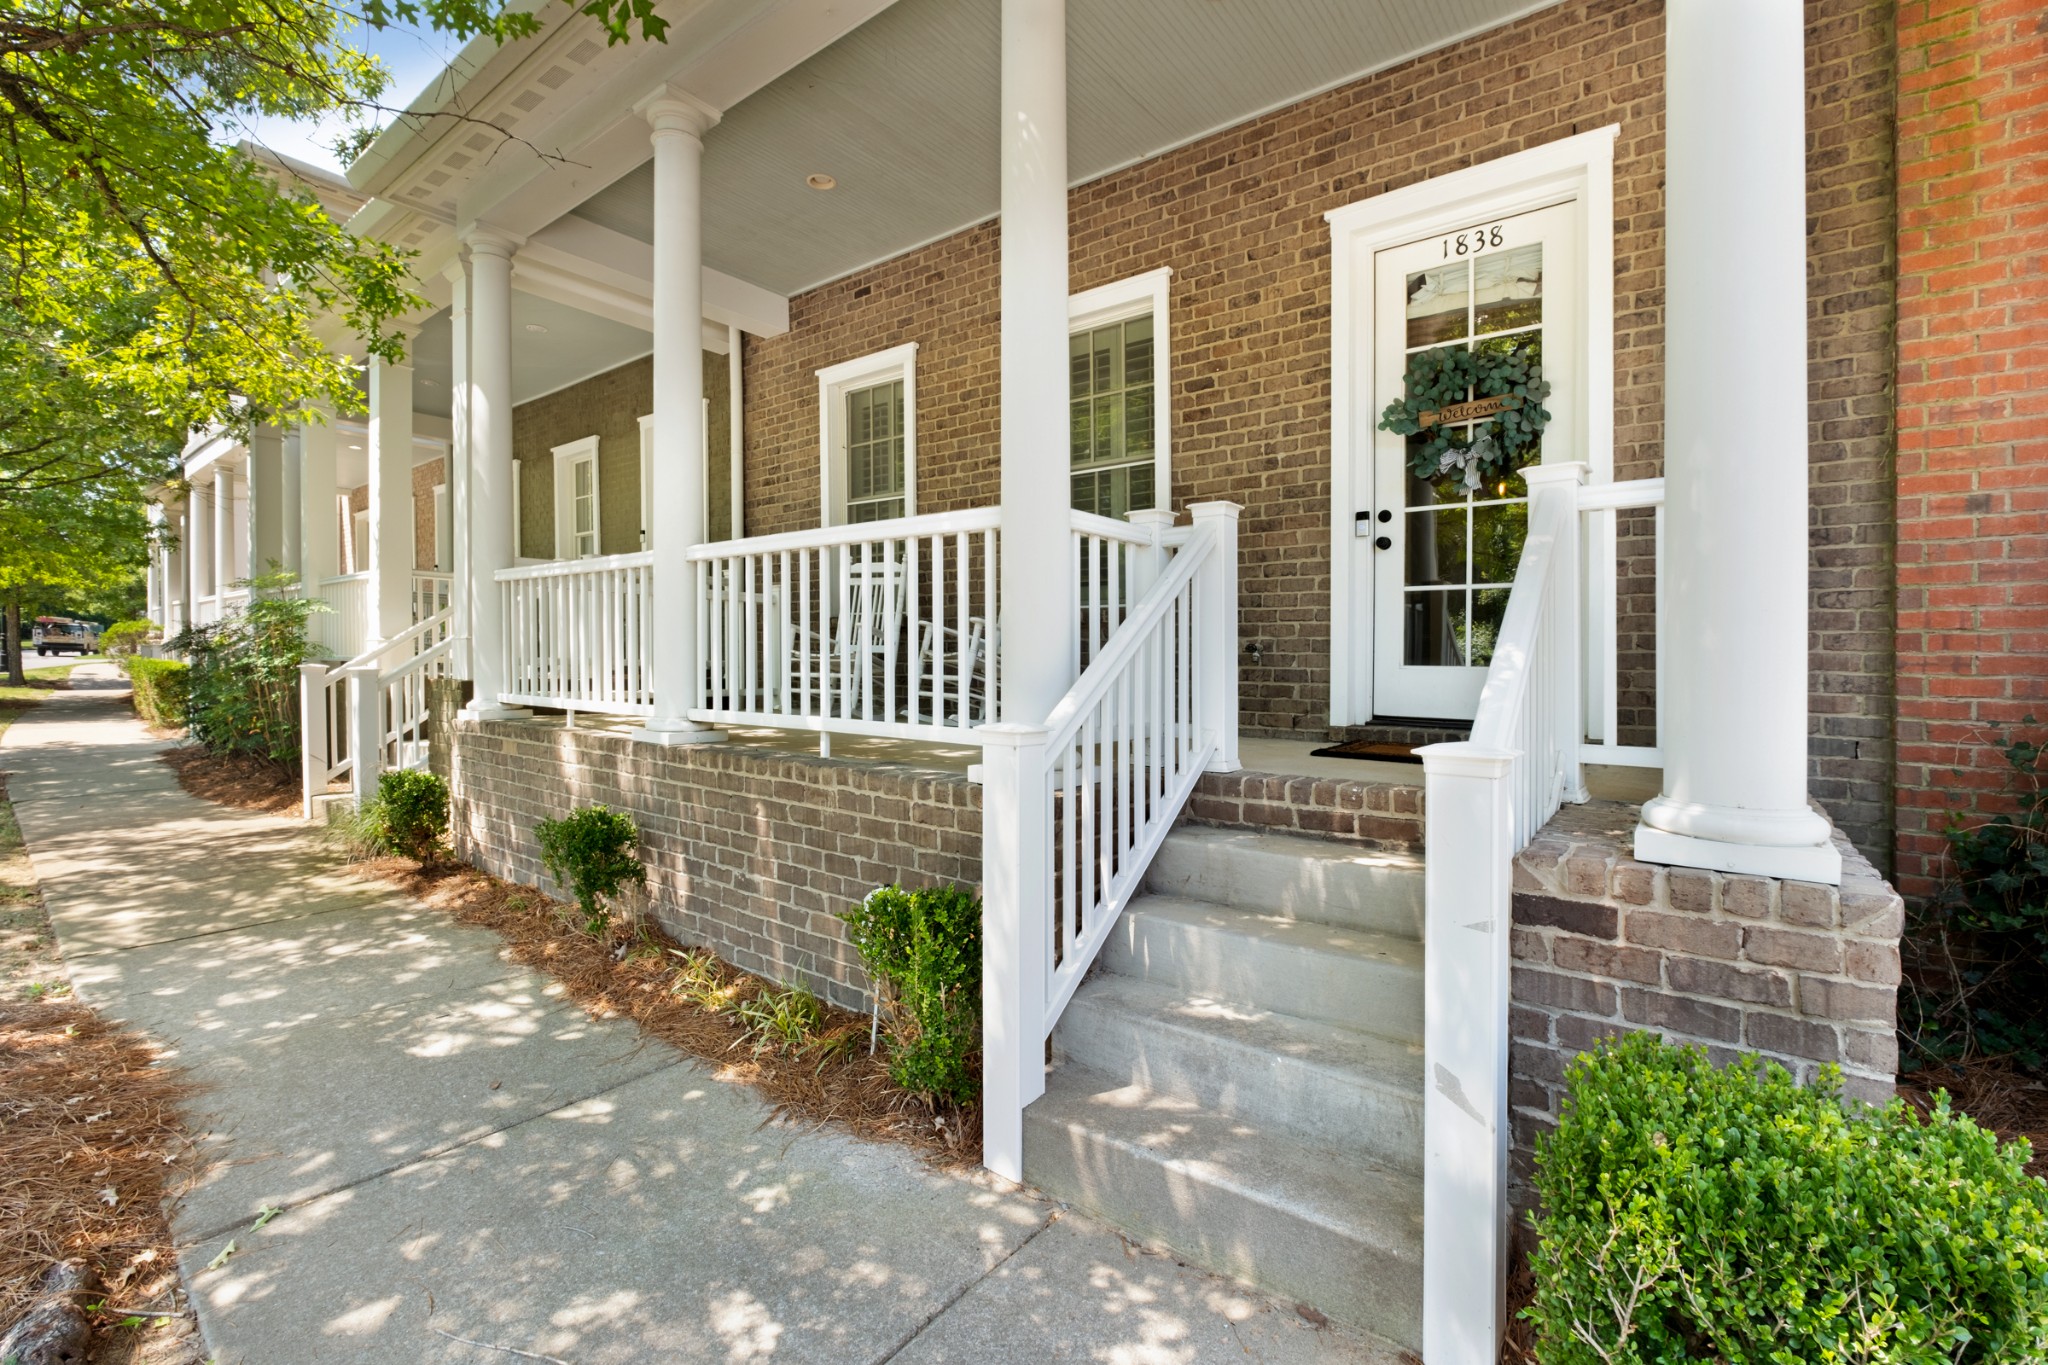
x: 571, y: 568
x: 576, y: 634
x: 896, y: 528
x: 360, y: 717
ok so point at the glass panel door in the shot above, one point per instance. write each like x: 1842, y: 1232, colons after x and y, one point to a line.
x: 1450, y: 514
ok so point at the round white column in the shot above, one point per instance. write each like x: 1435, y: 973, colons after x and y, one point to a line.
x: 293, y: 513
x: 677, y: 442
x: 1735, y: 459
x: 391, y: 520
x: 463, y: 588
x: 223, y: 534
x: 491, y: 471
x: 183, y: 619
x: 264, y: 525
x: 1038, y: 663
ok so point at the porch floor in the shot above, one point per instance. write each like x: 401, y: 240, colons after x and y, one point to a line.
x: 1273, y: 757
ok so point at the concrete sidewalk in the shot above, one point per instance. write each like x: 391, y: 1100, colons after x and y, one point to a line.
x: 459, y: 1152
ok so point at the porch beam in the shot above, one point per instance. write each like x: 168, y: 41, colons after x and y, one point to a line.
x: 679, y: 121
x: 486, y: 383
x: 389, y: 442
x: 1735, y: 459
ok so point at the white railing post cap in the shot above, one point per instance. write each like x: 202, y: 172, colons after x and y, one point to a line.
x: 1564, y: 471
x: 1463, y: 758
x: 1010, y: 735
x: 1222, y: 507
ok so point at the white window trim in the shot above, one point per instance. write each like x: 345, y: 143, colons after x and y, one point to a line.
x: 834, y: 383
x: 1578, y: 168
x: 584, y: 448
x: 358, y: 542
x: 1120, y: 301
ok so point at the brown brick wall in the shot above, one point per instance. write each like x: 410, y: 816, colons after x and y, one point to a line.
x: 1238, y: 217
x: 749, y: 852
x: 1798, y: 972
x: 1972, y: 411
x: 609, y: 406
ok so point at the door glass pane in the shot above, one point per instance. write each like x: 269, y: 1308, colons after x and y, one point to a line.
x: 1468, y: 537
x: 1111, y: 422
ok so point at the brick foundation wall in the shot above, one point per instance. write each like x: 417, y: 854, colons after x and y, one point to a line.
x: 1802, y: 973
x: 1972, y: 409
x: 749, y: 852
x: 1238, y: 217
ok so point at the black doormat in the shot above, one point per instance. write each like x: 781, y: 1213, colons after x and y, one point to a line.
x: 1379, y: 750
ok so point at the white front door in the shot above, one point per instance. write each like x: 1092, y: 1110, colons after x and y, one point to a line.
x: 1443, y: 550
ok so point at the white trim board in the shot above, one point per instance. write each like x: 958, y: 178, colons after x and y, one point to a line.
x: 1578, y: 168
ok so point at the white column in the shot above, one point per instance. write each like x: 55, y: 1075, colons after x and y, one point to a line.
x: 391, y: 528
x: 736, y: 406
x: 459, y: 590
x: 677, y: 524
x: 263, y: 547
x: 1735, y: 459
x: 488, y: 383
x: 223, y: 531
x: 155, y: 585
x: 294, y: 514
x: 319, y: 526
x: 1037, y: 600
x: 186, y: 584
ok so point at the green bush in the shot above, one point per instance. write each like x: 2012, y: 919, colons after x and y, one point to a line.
x: 124, y: 639
x: 923, y: 950
x: 244, y: 696
x: 1733, y: 1215
x: 594, y: 853
x: 408, y: 816
x: 1978, y: 953
x: 160, y: 688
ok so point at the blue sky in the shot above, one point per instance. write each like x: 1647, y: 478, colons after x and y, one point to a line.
x: 414, y: 57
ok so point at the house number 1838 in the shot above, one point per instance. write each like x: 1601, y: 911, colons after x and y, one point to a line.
x: 1478, y: 239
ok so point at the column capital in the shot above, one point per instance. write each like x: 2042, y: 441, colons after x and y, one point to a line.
x: 672, y: 109
x: 484, y: 240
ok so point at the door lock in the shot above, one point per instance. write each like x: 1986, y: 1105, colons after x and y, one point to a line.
x: 1383, y: 543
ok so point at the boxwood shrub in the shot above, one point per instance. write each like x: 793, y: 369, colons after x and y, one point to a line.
x: 594, y: 853
x: 923, y: 950
x: 1731, y: 1214
x: 160, y: 688
x: 408, y: 816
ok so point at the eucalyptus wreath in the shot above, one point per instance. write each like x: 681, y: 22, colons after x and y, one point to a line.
x: 1447, y: 375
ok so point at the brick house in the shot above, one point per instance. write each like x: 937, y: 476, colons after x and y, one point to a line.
x: 725, y: 484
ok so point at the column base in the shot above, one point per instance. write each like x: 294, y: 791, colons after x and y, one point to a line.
x: 672, y: 732
x: 479, y: 709
x: 1808, y: 863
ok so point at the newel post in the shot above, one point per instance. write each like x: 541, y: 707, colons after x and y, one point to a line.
x: 1143, y: 566
x: 314, y: 760
x: 365, y: 731
x: 1216, y: 630
x: 1016, y: 919
x: 1468, y: 830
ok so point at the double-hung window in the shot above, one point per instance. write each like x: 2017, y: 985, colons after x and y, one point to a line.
x: 1117, y: 379
x: 867, y: 418
x: 576, y: 504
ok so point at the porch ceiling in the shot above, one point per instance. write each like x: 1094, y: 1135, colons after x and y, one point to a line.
x: 572, y: 345
x: 902, y: 112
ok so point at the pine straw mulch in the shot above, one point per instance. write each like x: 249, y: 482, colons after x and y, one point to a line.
x: 89, y: 1141
x: 632, y: 975
x: 1995, y: 1092
x: 242, y: 780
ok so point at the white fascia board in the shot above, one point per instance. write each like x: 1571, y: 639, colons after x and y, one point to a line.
x: 209, y: 449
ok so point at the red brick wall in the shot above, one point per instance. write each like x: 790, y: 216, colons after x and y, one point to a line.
x: 1972, y: 407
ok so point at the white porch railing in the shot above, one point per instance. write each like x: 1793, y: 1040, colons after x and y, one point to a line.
x: 431, y: 593
x: 878, y: 629
x: 374, y: 708
x: 576, y: 634
x: 1075, y: 811
x: 1485, y: 799
x: 344, y: 632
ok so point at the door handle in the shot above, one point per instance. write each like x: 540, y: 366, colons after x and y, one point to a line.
x: 1383, y: 543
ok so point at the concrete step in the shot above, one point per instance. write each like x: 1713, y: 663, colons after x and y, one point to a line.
x: 1293, y: 877
x: 1331, y: 1086
x: 1360, y: 980
x: 1329, y: 1229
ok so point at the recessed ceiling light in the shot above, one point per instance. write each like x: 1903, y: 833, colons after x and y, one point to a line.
x: 818, y: 180
x: 535, y: 327
x: 355, y: 447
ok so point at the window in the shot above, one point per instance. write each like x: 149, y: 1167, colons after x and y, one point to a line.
x: 874, y: 452
x: 359, y: 543
x: 868, y: 437
x: 1117, y: 381
x: 647, y: 475
x: 576, y: 509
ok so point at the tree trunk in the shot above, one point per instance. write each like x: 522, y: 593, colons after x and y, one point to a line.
x: 17, y: 675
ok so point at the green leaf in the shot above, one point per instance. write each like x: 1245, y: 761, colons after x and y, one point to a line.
x: 222, y: 1259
